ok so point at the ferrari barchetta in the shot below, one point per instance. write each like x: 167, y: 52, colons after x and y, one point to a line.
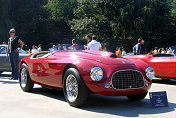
x: 82, y: 72
x: 163, y: 64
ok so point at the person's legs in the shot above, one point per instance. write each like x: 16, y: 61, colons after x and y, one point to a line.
x: 12, y: 64
x: 15, y: 61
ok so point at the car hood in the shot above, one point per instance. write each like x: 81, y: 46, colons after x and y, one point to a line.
x: 98, y: 56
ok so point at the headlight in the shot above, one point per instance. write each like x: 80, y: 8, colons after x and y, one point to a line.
x: 150, y: 73
x: 96, y: 74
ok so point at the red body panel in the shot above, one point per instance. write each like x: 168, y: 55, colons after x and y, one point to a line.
x: 49, y: 70
x: 163, y: 66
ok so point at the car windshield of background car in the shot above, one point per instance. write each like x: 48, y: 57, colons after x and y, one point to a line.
x: 173, y: 50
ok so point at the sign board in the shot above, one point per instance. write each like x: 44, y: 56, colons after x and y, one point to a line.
x: 158, y: 99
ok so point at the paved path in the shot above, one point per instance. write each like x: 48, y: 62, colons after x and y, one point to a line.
x: 41, y: 103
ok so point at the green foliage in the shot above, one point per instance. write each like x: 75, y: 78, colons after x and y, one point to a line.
x: 115, y: 22
x: 123, y: 21
x: 5, y: 22
x: 61, y: 9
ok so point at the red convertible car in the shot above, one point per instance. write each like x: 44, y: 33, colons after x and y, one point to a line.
x: 163, y: 64
x: 79, y: 73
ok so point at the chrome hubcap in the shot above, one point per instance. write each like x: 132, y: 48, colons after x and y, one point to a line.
x: 71, y: 88
x: 23, y: 77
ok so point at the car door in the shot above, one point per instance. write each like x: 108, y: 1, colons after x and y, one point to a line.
x: 164, y: 66
x: 4, y: 62
x: 46, y: 71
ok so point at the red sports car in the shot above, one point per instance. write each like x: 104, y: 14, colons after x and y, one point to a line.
x: 163, y: 64
x: 81, y: 72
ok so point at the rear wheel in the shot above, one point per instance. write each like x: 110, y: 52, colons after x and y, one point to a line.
x: 137, y: 97
x: 75, y: 90
x: 1, y: 72
x: 24, y: 79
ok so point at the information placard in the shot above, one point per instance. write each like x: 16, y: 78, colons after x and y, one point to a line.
x: 158, y: 99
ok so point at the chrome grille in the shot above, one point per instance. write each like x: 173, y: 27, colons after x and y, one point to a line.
x: 127, y: 79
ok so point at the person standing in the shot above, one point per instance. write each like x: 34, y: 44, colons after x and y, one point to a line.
x: 134, y: 49
x: 14, y: 46
x: 168, y: 51
x: 4, y: 43
x: 123, y: 52
x: 94, y: 44
x: 118, y: 52
x: 28, y: 50
x: 75, y: 45
x: 163, y: 51
x: 88, y: 39
x: 140, y: 49
x: 39, y: 48
x: 155, y: 51
x: 34, y: 50
x: 59, y: 47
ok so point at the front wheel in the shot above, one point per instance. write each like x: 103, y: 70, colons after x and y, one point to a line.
x: 137, y: 97
x: 75, y: 90
x: 25, y: 81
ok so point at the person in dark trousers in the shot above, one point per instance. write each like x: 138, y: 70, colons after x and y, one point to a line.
x: 140, y: 47
x: 14, y: 46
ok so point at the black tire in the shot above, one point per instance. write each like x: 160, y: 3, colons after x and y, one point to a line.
x: 1, y: 72
x: 81, y: 88
x: 137, y: 97
x: 27, y: 84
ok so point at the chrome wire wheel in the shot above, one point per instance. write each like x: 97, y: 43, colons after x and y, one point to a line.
x: 23, y: 78
x: 71, y: 88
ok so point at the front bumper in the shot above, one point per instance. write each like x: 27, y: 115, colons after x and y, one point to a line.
x: 99, y: 88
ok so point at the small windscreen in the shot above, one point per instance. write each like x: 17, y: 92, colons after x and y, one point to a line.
x: 173, y: 50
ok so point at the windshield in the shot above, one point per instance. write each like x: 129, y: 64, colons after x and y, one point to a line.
x: 173, y: 50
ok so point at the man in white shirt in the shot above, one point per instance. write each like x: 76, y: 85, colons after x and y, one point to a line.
x: 94, y: 44
x: 39, y: 48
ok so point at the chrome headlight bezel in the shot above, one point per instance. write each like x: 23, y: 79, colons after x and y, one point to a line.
x: 150, y: 73
x: 96, y: 74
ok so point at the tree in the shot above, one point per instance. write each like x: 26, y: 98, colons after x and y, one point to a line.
x: 115, y: 22
x: 5, y: 22
x: 60, y: 12
x: 123, y: 21
x: 29, y: 19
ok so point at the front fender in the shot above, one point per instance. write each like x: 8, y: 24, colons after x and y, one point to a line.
x: 140, y: 64
x: 84, y: 67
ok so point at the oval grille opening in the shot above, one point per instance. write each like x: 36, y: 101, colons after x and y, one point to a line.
x: 127, y: 79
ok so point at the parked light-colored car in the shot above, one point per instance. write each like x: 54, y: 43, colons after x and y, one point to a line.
x: 4, y: 62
